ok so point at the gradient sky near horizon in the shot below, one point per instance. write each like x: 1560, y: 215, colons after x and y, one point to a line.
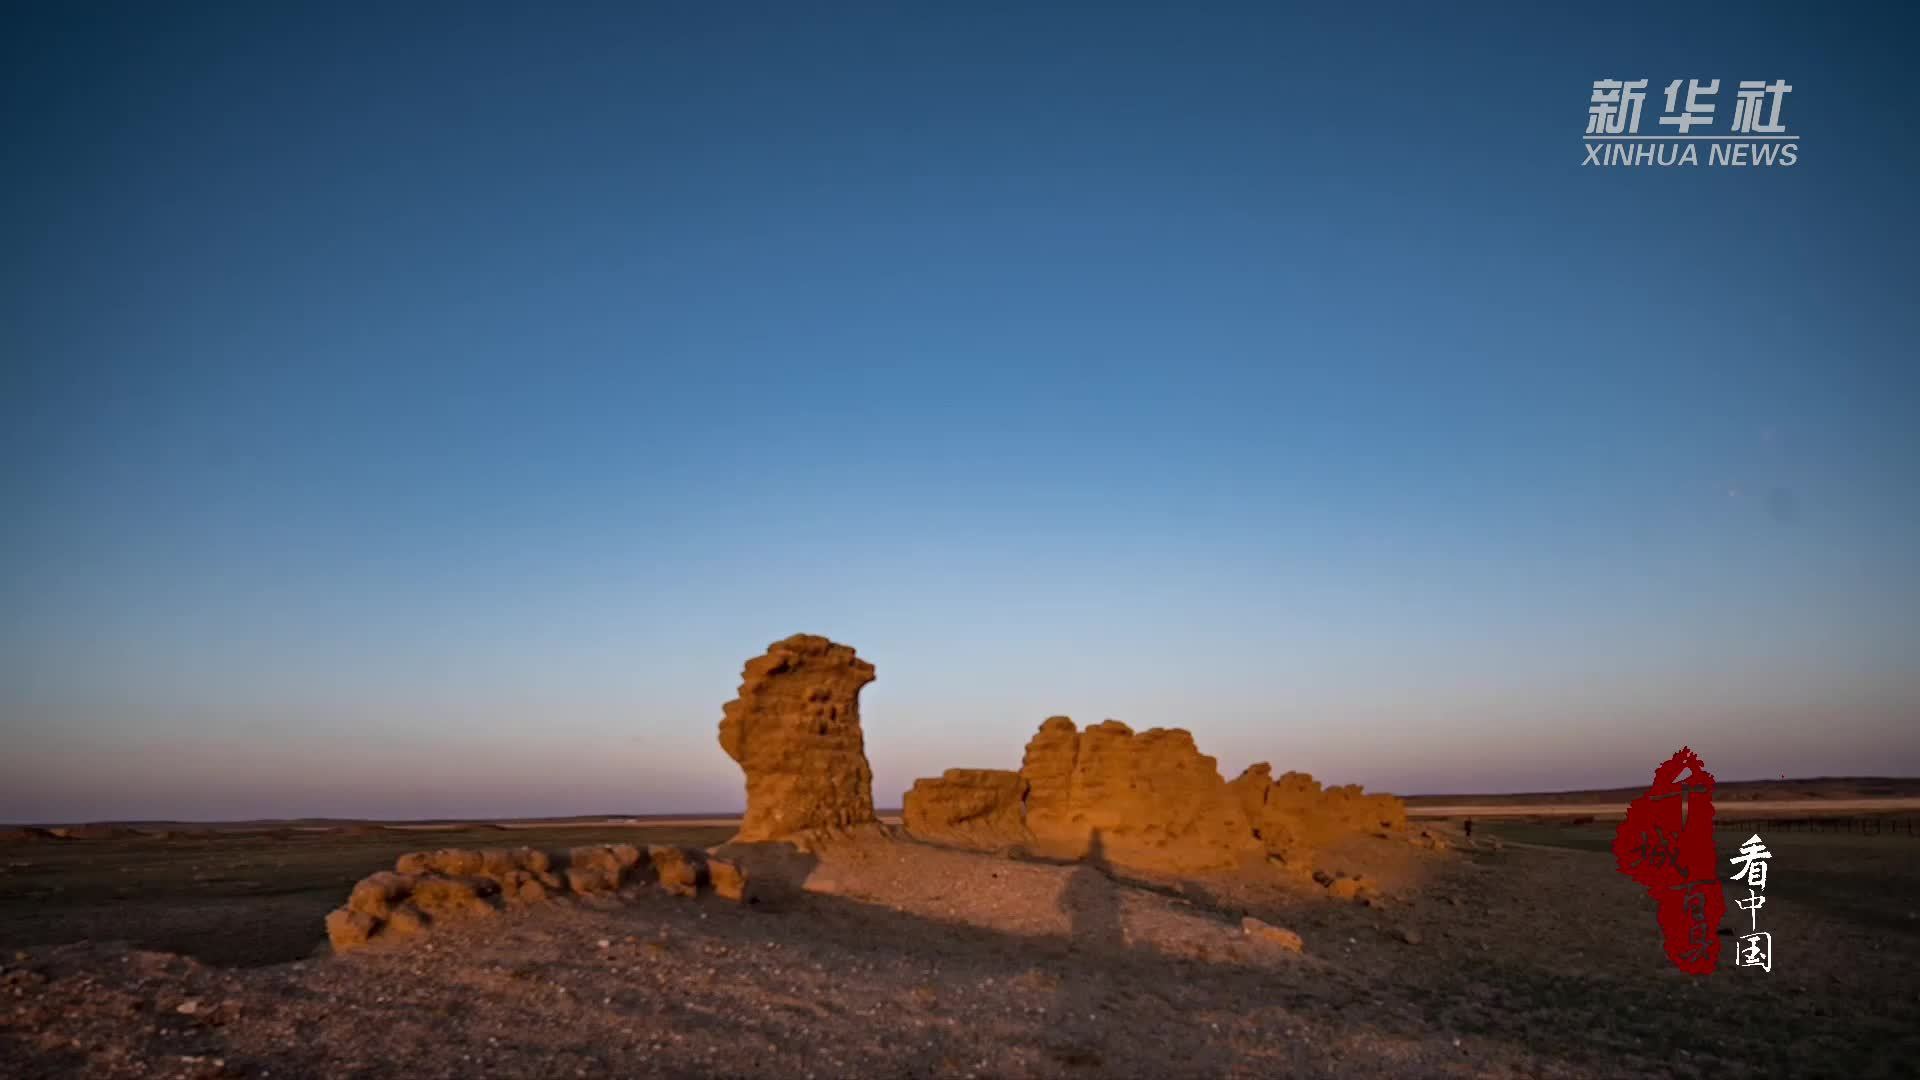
x: 425, y: 412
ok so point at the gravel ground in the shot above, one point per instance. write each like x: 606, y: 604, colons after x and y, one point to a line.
x: 905, y: 960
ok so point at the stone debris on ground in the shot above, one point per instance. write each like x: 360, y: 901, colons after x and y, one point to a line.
x: 1273, y: 935
x: 433, y: 888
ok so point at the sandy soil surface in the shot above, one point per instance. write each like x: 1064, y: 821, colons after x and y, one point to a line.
x: 906, y: 960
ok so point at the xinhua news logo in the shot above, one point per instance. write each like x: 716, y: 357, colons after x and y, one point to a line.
x: 1688, y: 130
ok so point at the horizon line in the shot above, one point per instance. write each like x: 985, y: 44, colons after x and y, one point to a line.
x: 478, y: 819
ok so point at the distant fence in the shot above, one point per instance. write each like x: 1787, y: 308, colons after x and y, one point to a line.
x: 1862, y: 825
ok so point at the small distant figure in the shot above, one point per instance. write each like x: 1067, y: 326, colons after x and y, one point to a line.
x: 1469, y: 828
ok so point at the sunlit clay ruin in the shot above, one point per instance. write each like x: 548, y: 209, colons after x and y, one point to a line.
x: 1136, y: 801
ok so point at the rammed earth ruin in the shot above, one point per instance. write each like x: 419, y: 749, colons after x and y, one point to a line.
x: 1155, y: 801
x: 1146, y: 800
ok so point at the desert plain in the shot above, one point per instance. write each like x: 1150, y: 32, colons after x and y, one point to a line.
x: 1114, y: 907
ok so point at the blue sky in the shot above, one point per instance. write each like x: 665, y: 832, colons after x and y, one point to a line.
x: 425, y: 413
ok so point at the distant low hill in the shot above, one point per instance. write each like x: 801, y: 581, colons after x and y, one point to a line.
x: 1816, y: 787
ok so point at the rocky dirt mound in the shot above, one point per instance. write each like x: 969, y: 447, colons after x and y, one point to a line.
x: 795, y: 730
x: 452, y: 885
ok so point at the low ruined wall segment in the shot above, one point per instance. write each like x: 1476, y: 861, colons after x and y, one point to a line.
x: 427, y: 888
x: 1294, y: 816
x: 982, y: 809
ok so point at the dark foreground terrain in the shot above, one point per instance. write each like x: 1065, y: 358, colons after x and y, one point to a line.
x: 1531, y: 959
x: 233, y: 897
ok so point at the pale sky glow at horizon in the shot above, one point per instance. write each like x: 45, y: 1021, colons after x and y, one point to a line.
x: 418, y: 415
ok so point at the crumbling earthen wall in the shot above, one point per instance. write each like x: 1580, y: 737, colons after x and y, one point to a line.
x: 981, y: 809
x: 1294, y: 816
x: 1155, y: 801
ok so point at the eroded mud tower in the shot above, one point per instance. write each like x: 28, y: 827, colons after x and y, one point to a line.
x: 795, y: 730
